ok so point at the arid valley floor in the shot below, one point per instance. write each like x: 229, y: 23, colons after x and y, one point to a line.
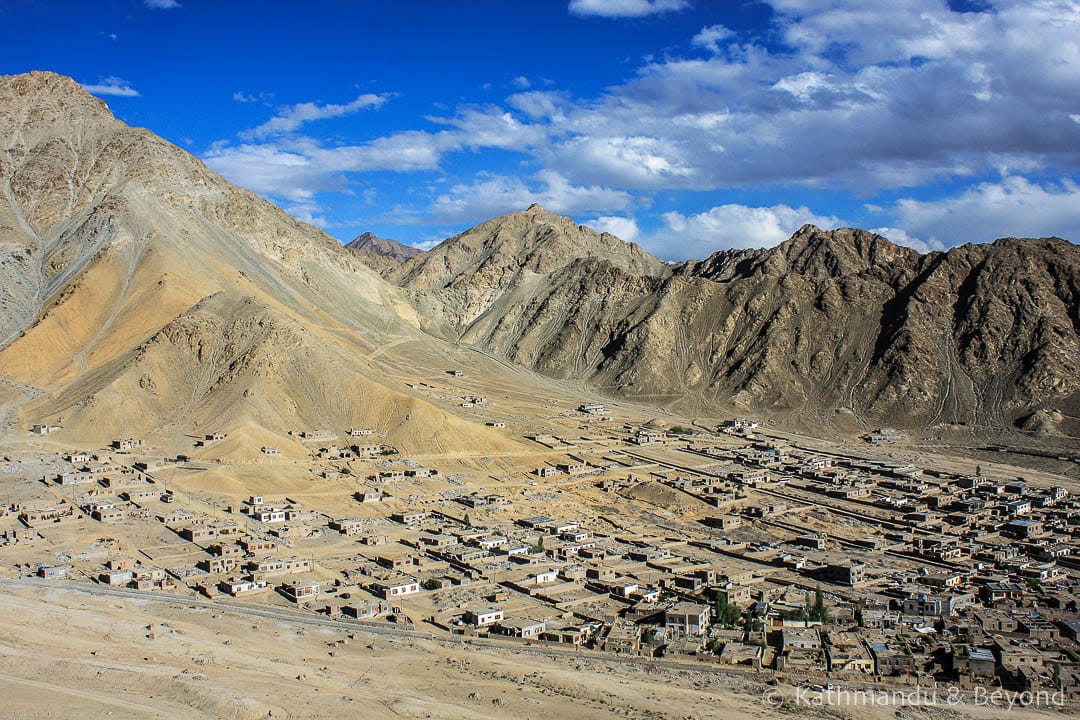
x: 535, y: 471
x: 582, y: 536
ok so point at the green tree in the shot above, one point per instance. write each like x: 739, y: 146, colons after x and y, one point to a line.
x: 819, y: 610
x: 732, y: 615
x: 649, y: 638
x: 466, y: 520
x: 727, y: 614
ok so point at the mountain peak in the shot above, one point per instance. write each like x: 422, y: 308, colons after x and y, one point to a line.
x: 813, y: 251
x: 552, y: 240
x: 383, y: 247
x: 60, y: 93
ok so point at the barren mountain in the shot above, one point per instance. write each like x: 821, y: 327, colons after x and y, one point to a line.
x: 381, y: 254
x: 839, y: 326
x: 525, y: 280
x: 372, y: 243
x: 144, y: 293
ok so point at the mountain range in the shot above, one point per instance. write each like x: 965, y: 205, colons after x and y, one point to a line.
x: 827, y: 325
x: 144, y: 293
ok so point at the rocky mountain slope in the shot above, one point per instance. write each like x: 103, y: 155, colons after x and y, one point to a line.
x: 145, y: 294
x: 526, y: 280
x: 142, y: 293
x: 841, y: 327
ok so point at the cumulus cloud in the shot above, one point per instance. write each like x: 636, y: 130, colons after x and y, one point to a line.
x: 730, y: 226
x: 492, y: 195
x: 845, y: 95
x: 892, y: 95
x: 162, y: 4
x: 114, y: 86
x: 277, y: 164
x: 625, y: 161
x: 1015, y: 206
x: 624, y: 228
x: 273, y: 171
x: 292, y: 117
x: 298, y: 168
x: 625, y: 8
x: 539, y: 104
x: 490, y: 127
x: 429, y: 241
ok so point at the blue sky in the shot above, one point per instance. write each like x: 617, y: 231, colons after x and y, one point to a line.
x: 688, y: 126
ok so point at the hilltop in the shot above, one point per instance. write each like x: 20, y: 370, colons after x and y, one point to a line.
x: 144, y: 294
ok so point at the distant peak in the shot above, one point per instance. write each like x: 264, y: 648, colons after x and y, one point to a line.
x: 372, y: 243
x: 536, y: 207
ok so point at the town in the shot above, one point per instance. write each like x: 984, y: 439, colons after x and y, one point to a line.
x: 727, y: 546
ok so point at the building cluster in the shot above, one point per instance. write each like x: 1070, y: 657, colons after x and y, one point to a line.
x: 778, y: 559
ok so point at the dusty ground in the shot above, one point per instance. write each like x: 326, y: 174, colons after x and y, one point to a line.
x: 66, y: 654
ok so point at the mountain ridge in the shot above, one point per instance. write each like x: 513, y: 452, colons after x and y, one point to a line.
x: 147, y: 295
x: 127, y: 264
x: 831, y: 325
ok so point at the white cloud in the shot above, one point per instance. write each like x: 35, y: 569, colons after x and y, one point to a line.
x: 1015, y: 206
x: 293, y: 167
x: 903, y: 237
x: 521, y: 82
x: 539, y: 104
x: 272, y: 171
x: 624, y: 228
x: 490, y: 127
x: 292, y: 117
x: 429, y: 242
x: 634, y: 161
x: 858, y: 94
x: 625, y: 8
x: 711, y: 36
x: 846, y: 94
x: 730, y: 226
x: 493, y: 195
x: 245, y: 97
x: 162, y: 4
x: 297, y: 168
x: 115, y: 86
x: 309, y: 212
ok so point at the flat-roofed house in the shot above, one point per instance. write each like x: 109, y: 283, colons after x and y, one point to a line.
x: 484, y: 616
x: 300, y: 592
x: 520, y: 628
x: 687, y: 618
x: 400, y: 587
